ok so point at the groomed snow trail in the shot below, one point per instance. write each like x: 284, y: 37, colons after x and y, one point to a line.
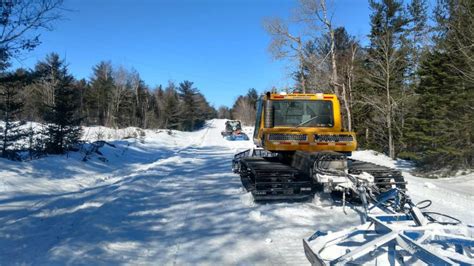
x: 183, y: 207
x: 171, y: 200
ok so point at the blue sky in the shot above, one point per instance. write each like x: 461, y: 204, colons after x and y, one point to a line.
x: 220, y: 45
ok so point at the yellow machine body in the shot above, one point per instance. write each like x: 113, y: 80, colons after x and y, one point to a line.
x: 301, y: 122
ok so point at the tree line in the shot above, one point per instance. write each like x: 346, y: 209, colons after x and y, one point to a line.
x: 243, y: 109
x: 113, y: 97
x: 49, y: 94
x: 409, y: 91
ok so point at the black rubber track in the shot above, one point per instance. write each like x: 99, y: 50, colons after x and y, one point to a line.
x: 269, y: 179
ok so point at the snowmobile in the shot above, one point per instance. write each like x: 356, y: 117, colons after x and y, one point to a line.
x: 233, y: 131
x: 301, y: 145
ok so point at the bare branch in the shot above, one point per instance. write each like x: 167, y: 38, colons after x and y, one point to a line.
x: 20, y: 18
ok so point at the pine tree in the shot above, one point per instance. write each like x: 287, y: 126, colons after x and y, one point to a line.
x: 440, y: 129
x: 156, y: 108
x: 141, y: 103
x: 82, y: 86
x: 47, y: 76
x: 100, y: 94
x: 63, y: 129
x: 171, y: 108
x: 430, y: 124
x: 418, y: 31
x: 252, y: 95
x: 10, y: 108
x: 187, y: 94
x: 62, y: 117
x: 204, y: 111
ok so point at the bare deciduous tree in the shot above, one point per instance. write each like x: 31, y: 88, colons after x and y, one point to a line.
x: 314, y: 68
x: 347, y: 85
x: 314, y: 13
x: 119, y: 92
x: 385, y: 76
x: 244, y: 111
x: 223, y: 112
x: 19, y: 19
x: 286, y: 45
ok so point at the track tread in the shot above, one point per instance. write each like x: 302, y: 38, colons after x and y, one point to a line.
x: 383, y: 175
x: 268, y: 179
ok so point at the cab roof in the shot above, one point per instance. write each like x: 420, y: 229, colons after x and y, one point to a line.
x: 301, y: 96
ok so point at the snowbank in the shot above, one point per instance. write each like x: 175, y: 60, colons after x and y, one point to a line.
x: 453, y: 196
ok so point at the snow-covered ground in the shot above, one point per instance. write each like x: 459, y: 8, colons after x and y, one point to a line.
x: 160, y: 198
x: 453, y: 196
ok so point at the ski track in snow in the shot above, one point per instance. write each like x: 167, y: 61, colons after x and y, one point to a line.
x: 171, y: 200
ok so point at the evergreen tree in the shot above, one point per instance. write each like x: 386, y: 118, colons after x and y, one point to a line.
x: 82, y: 87
x: 10, y: 108
x: 99, y: 96
x: 62, y: 117
x: 187, y: 94
x: 155, y: 110
x: 430, y: 129
x: 141, y: 103
x: 204, y: 111
x: 171, y: 108
x: 418, y: 31
x: 252, y: 95
x: 47, y: 75
x: 63, y: 129
x: 439, y: 131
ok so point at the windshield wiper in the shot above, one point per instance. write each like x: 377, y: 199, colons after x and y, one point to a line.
x: 307, y: 121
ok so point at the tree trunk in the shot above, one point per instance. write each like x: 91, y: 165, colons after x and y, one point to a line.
x: 5, y: 132
x: 350, y: 77
x: 391, y: 147
x: 327, y: 22
x: 334, y: 76
x: 346, y: 106
x: 367, y: 135
x: 7, y: 122
x: 301, y: 58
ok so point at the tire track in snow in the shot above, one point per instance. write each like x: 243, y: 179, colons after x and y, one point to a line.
x: 184, y: 209
x: 210, y: 143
